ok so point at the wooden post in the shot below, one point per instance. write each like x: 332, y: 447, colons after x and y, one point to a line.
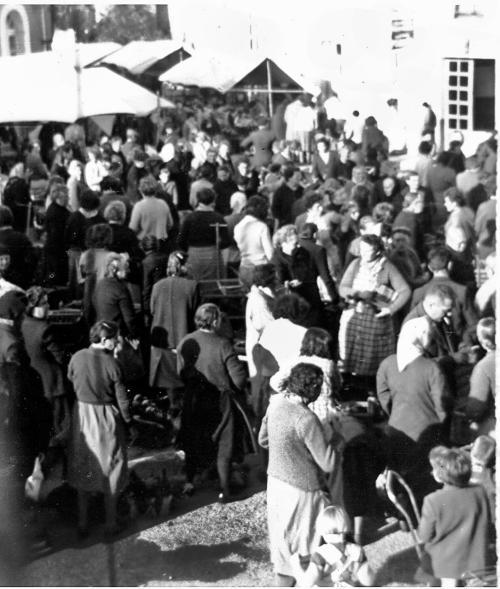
x: 217, y: 227
x: 269, y: 87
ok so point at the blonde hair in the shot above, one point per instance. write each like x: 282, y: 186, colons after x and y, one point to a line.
x: 283, y: 234
x: 332, y: 520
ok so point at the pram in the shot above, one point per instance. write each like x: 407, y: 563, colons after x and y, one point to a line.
x: 394, y: 490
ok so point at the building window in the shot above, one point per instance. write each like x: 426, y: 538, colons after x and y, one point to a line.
x: 458, y: 108
x: 470, y: 95
x: 15, y: 33
x: 14, y: 30
x: 484, y: 95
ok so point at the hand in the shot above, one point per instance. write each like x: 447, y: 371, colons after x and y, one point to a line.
x: 294, y: 283
x: 134, y: 343
x: 384, y: 311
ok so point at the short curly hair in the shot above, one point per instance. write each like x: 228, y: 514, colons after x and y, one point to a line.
x: 452, y: 466
x: 282, y: 234
x: 115, y: 211
x: 305, y: 380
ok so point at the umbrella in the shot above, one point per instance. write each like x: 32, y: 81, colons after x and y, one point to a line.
x: 45, y: 87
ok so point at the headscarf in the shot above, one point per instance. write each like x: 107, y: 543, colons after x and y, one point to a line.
x: 167, y: 152
x: 412, y: 341
x: 368, y: 273
x: 238, y: 202
x: 17, y: 170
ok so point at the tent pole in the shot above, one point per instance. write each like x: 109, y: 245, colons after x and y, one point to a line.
x: 78, y: 69
x: 269, y: 88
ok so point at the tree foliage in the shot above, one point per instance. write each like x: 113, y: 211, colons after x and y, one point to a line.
x: 128, y: 22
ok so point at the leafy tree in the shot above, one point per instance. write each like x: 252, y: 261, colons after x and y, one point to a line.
x: 130, y: 22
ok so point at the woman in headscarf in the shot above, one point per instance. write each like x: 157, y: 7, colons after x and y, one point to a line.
x: 231, y: 255
x: 374, y: 290
x: 413, y: 391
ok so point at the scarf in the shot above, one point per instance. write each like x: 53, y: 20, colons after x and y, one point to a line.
x: 412, y: 341
x: 367, y: 277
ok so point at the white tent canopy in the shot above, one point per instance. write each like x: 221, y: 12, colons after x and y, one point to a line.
x: 46, y: 87
x: 139, y: 56
x: 251, y: 71
x: 218, y: 71
x: 92, y: 52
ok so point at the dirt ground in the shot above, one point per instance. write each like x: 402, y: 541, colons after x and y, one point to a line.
x: 200, y: 542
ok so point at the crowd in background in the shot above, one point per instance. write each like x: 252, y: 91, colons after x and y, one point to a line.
x: 380, y: 275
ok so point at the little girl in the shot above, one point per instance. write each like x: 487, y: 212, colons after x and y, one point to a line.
x: 336, y: 560
x: 455, y: 520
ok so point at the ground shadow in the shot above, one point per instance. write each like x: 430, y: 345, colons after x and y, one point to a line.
x: 196, y: 563
x: 399, y: 568
x: 57, y: 521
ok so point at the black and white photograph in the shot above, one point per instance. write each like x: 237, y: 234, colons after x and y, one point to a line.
x: 248, y: 293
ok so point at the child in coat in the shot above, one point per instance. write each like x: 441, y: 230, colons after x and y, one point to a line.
x: 336, y: 560
x: 456, y: 520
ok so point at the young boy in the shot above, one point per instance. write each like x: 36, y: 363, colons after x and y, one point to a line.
x: 455, y: 520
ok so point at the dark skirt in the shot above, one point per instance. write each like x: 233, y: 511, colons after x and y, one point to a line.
x: 207, y: 425
x: 202, y: 263
x: 365, y: 340
x: 97, y: 450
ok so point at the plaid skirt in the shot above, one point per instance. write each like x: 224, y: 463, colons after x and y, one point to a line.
x: 365, y: 340
x: 202, y: 263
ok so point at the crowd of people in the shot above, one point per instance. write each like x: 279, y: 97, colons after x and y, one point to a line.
x: 359, y: 274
